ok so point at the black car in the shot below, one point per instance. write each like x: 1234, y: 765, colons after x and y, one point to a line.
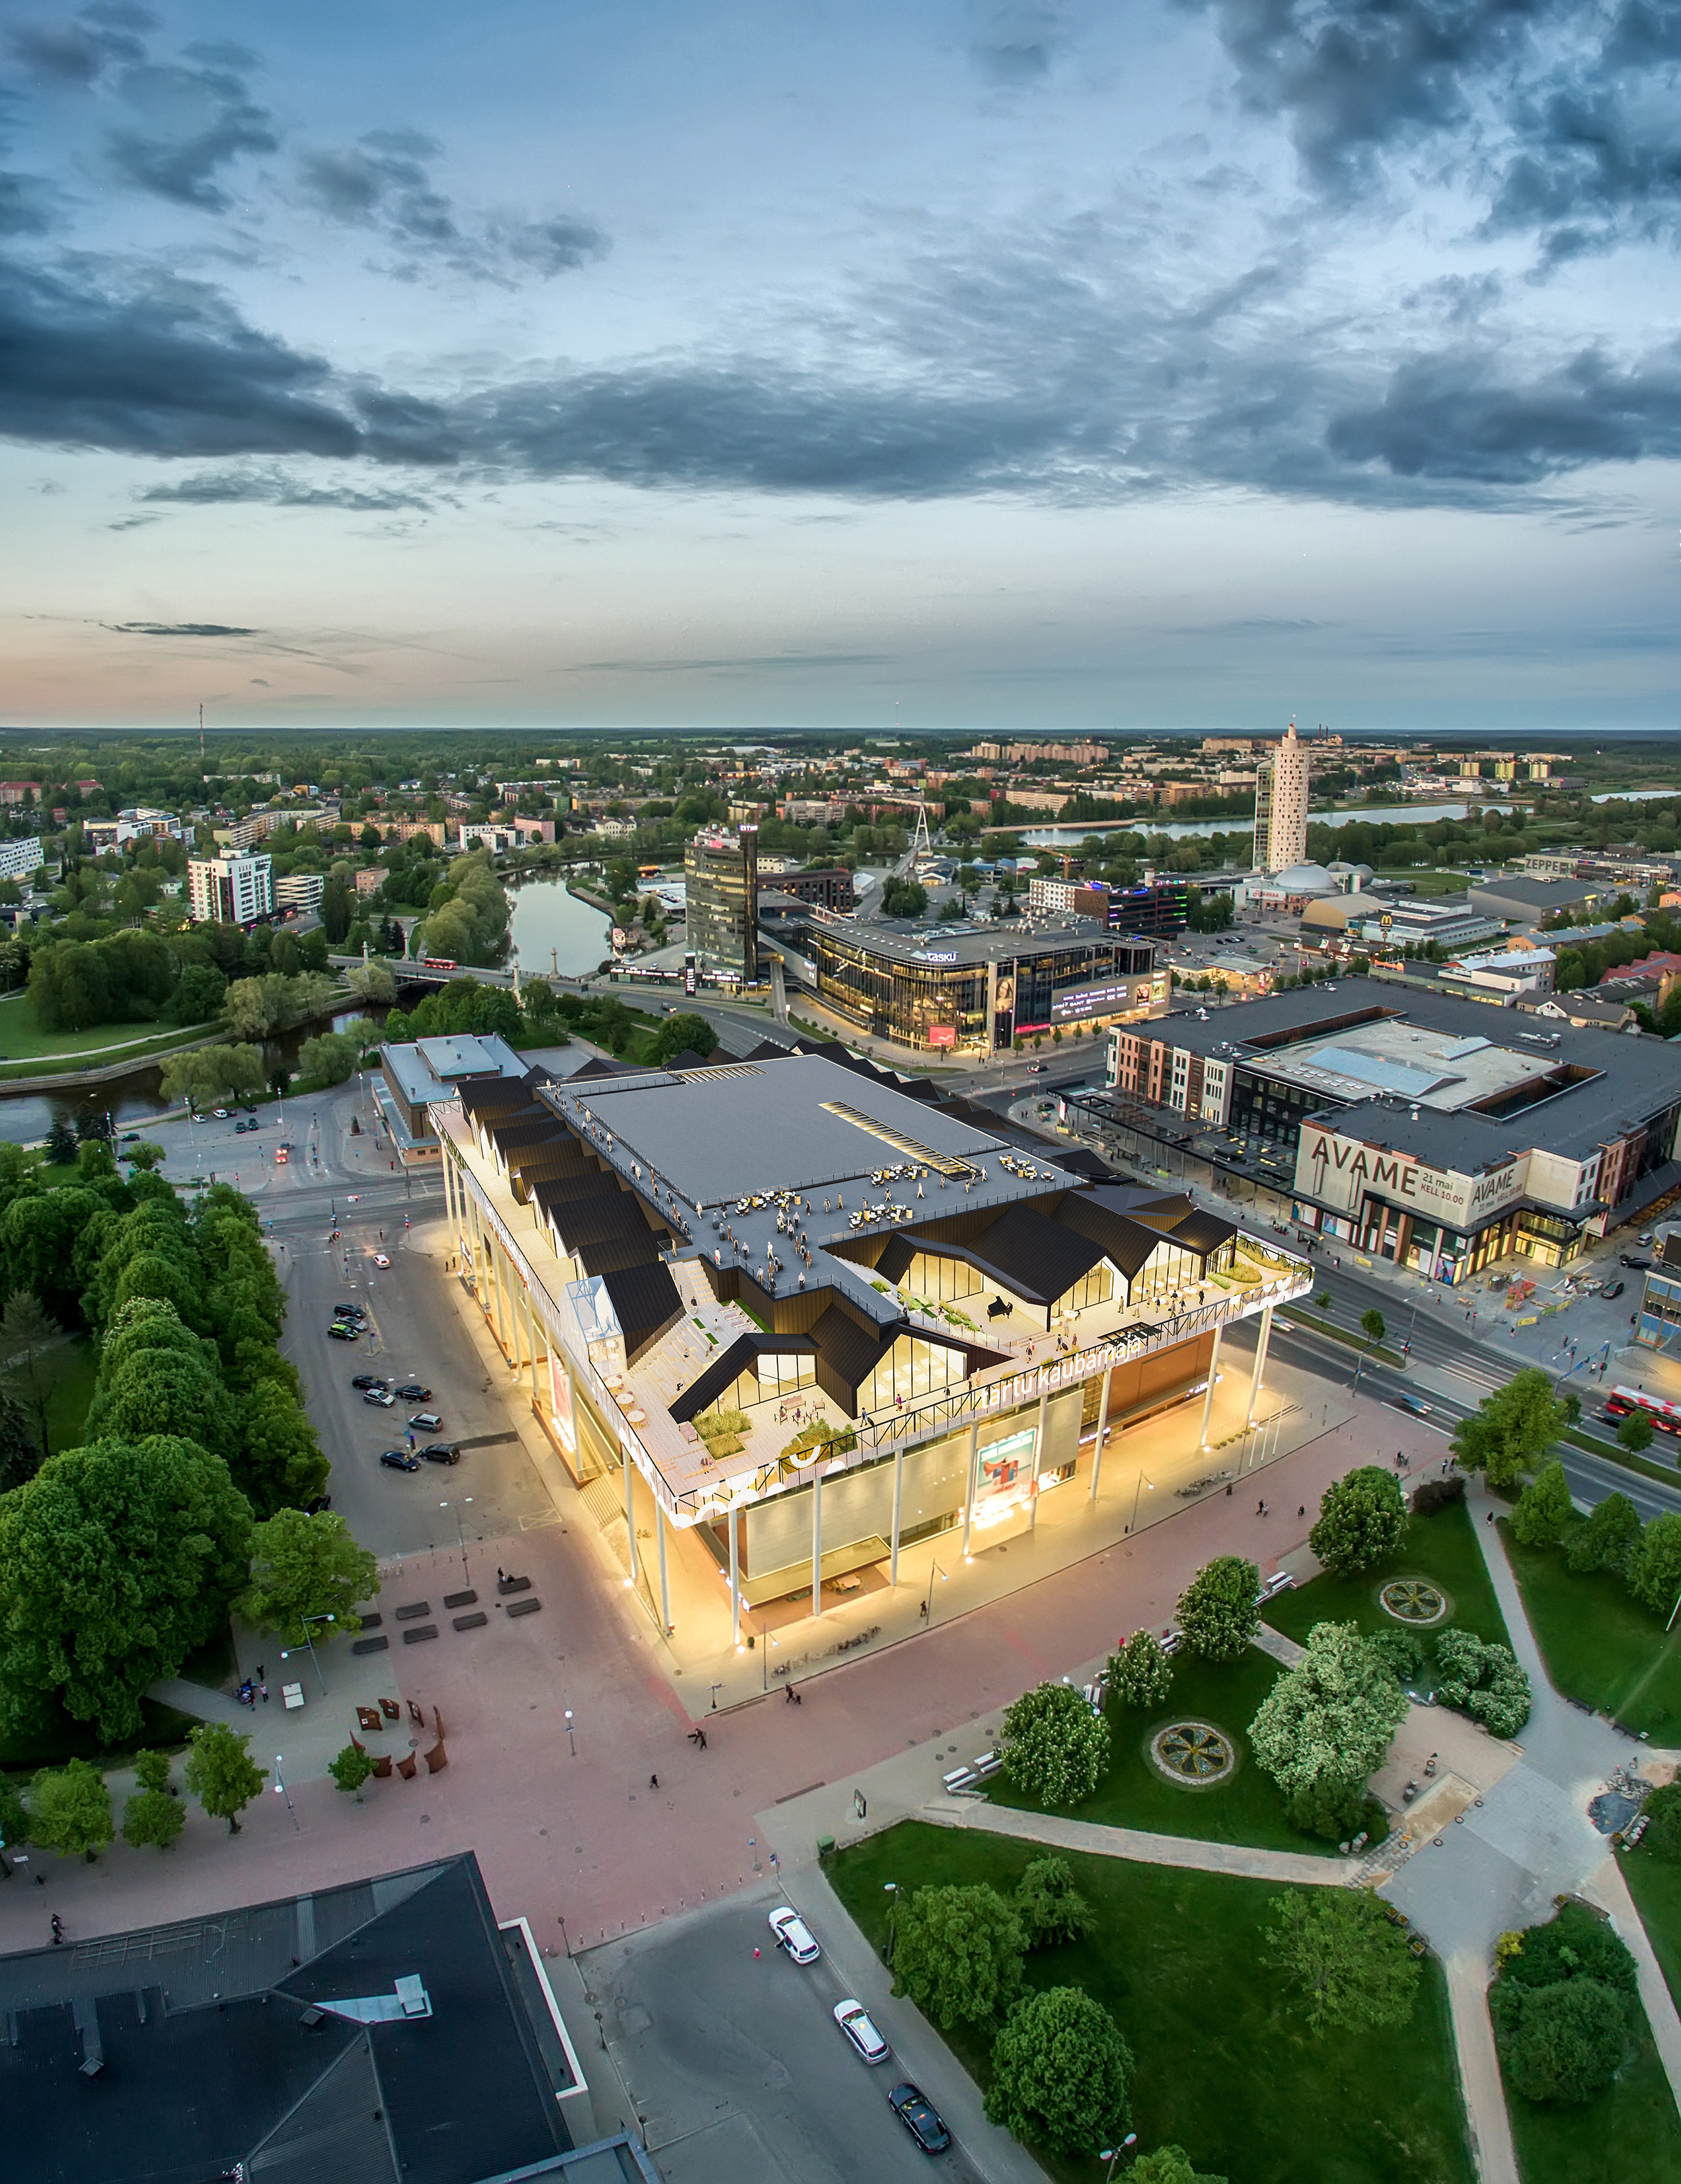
x: 369, y: 1380
x: 398, y: 1459
x: 342, y: 1331
x: 412, y: 1392
x: 442, y: 1452
x: 920, y: 2118
x: 349, y: 1311
x: 1633, y: 1261
x: 1613, y: 1289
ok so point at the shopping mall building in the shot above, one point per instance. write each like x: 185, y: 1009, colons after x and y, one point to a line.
x: 822, y: 1316
x: 1439, y: 1133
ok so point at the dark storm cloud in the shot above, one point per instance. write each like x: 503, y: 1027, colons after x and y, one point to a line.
x: 179, y: 629
x: 273, y: 489
x: 79, y: 51
x: 384, y: 183
x: 192, y: 119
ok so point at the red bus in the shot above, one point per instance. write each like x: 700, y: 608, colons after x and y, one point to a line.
x: 1624, y: 1402
x: 439, y: 963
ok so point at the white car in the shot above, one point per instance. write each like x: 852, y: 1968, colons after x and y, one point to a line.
x: 380, y: 1259
x: 794, y: 1935
x: 853, y: 2020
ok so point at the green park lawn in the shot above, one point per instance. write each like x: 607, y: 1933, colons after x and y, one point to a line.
x: 1654, y: 1884
x: 1631, y: 2129
x: 1225, y: 2065
x: 1442, y: 1548
x: 22, y: 1040
x: 1601, y: 1646
x: 1247, y: 1807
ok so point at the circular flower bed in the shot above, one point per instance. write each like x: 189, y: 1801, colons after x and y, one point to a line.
x: 1194, y: 1754
x: 1415, y: 1602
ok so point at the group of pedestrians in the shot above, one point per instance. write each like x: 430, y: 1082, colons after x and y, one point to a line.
x: 254, y: 1688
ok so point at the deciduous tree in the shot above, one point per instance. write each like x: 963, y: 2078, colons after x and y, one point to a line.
x: 1170, y: 2164
x: 306, y: 1567
x: 1362, y: 1518
x: 350, y: 1770
x: 1511, y: 1429
x: 1140, y: 1676
x: 1062, y: 2074
x: 1055, y: 1747
x: 1607, y: 1538
x: 1544, y: 1511
x: 1050, y: 1908
x: 1352, y: 1967
x: 957, y: 1953
x: 1329, y: 1720
x: 69, y: 1809
x: 116, y: 1562
x: 1218, y: 1613
x: 1654, y: 1572
x: 1482, y: 1679
x: 152, y: 1816
x: 220, y: 1772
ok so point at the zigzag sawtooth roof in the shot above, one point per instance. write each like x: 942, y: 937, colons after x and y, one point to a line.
x: 540, y: 1129
x: 479, y: 1095
x: 612, y: 1254
x: 730, y: 1364
x: 647, y: 1301
x: 595, y: 1220
x: 1035, y: 1257
x: 581, y: 1183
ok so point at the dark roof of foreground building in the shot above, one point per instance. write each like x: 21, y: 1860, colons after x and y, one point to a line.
x: 273, y: 2041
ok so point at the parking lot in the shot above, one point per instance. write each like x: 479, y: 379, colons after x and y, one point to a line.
x: 415, y: 1335
x: 736, y: 2064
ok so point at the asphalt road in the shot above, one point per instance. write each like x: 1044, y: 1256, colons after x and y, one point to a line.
x: 737, y: 2066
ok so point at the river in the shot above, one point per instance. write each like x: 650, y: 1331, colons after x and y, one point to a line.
x: 554, y: 932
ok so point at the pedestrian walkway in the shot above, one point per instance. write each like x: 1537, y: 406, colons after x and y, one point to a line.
x: 1242, y: 1861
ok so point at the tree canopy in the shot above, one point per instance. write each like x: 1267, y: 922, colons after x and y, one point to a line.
x: 1217, y: 1613
x: 957, y: 1953
x: 116, y: 1562
x: 1062, y: 2074
x: 1140, y: 1676
x: 1329, y: 1720
x: 1511, y: 1428
x: 69, y: 1809
x: 1352, y: 1968
x: 1362, y: 1518
x: 1055, y: 1747
x: 220, y: 1772
x: 1050, y: 1908
x: 1654, y: 1572
x: 309, y: 1567
x: 1544, y: 1513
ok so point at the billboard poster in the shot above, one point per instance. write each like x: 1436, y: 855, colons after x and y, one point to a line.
x: 689, y: 971
x: 1004, y: 1482
x: 942, y: 1035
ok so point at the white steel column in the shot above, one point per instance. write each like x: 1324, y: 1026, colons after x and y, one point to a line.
x: 1102, y: 1429
x: 665, y: 1588
x: 1260, y: 1360
x: 531, y: 1347
x: 968, y: 1497
x: 817, y: 1543
x: 1038, y: 1455
x: 898, y: 1489
x: 1208, y: 1398
x: 734, y: 1520
x: 630, y: 1513
x: 449, y: 1196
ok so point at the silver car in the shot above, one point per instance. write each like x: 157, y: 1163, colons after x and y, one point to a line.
x: 853, y: 2020
x: 793, y: 1935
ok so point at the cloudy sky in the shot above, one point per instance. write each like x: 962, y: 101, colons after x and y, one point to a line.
x: 1172, y: 362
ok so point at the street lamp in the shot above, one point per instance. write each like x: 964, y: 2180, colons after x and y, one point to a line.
x: 306, y: 1621
x: 571, y: 1744
x: 1112, y: 2153
x: 460, y: 1534
x: 934, y: 1571
x: 892, y: 1889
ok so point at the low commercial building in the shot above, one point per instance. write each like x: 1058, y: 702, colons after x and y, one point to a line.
x: 801, y: 1318
x: 1447, y: 921
x: 978, y: 991
x: 417, y: 1074
x: 237, y: 890
x: 1526, y: 902
x: 388, y: 2029
x: 1402, y: 1122
x: 1157, y: 908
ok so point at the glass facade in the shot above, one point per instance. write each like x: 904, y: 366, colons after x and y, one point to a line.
x: 721, y: 883
x: 933, y: 998
x: 778, y: 1374
x: 929, y: 1275
x: 912, y: 1367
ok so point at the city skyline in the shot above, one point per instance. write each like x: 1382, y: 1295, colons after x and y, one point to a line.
x: 985, y: 366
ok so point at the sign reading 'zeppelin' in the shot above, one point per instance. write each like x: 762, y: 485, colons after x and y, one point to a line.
x: 1340, y: 1172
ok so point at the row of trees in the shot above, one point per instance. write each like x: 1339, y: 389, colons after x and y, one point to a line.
x: 82, y: 973
x: 68, y: 1808
x: 1647, y: 1557
x: 120, y: 1557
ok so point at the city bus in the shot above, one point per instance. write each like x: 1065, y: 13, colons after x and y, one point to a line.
x: 1624, y: 1402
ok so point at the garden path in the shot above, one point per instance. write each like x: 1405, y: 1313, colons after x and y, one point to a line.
x: 1294, y: 1867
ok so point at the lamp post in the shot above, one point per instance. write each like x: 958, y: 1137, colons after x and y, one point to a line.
x: 306, y: 1621
x: 934, y: 1571
x: 570, y: 1743
x: 281, y: 1791
x: 466, y: 1503
x: 892, y: 1889
x: 1112, y: 2153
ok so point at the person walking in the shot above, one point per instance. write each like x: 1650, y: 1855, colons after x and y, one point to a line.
x: 653, y: 1781
x: 58, y: 1930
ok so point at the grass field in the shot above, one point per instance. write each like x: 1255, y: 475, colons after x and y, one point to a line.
x: 1600, y: 1646
x: 26, y: 1051
x: 1654, y: 1884
x: 1442, y: 1548
x: 1226, y: 2066
x: 1247, y: 1807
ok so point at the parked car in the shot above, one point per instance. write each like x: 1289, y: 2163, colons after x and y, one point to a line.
x: 383, y: 1396
x: 442, y: 1452
x: 1633, y: 1262
x: 352, y: 1312
x: 370, y: 1380
x: 920, y: 2118
x: 853, y: 2020
x: 1612, y: 1288
x: 342, y: 1331
x: 380, y: 1259
x: 426, y: 1422
x: 130, y: 1137
x: 398, y: 1459
x: 411, y: 1392
x: 221, y: 1114
x: 793, y: 1935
